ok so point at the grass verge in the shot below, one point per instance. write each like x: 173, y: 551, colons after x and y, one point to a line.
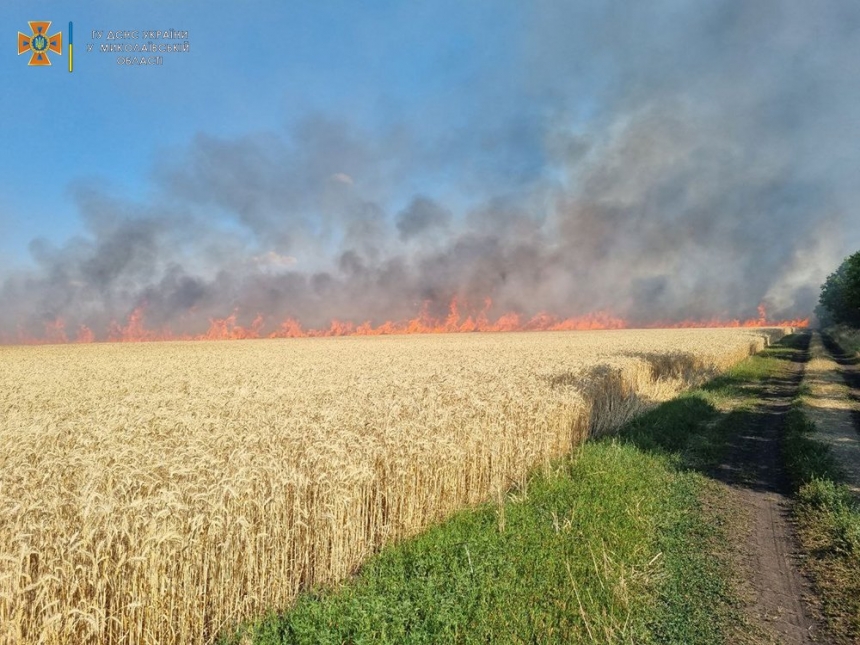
x: 828, y: 519
x: 847, y: 337
x: 623, y: 542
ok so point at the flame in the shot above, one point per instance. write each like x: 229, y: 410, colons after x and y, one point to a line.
x: 55, y: 331
x: 85, y: 335
x: 227, y: 329
x: 460, y: 319
x: 761, y: 321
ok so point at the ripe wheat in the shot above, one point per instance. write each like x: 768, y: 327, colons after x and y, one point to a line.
x: 158, y: 493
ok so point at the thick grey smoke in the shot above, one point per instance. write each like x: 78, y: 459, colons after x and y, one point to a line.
x: 659, y: 161
x: 421, y: 216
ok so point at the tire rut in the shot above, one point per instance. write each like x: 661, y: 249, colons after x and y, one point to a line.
x: 754, y: 469
x: 832, y: 403
x: 849, y: 369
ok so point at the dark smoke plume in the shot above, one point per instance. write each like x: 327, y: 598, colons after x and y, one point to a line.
x: 660, y: 161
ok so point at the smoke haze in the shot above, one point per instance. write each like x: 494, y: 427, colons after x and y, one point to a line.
x: 658, y: 161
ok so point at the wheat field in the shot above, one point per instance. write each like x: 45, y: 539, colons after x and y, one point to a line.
x: 162, y: 492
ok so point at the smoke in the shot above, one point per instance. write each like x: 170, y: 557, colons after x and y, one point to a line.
x: 661, y: 162
x: 420, y: 217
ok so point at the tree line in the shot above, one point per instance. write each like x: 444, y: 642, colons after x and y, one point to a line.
x: 839, y: 303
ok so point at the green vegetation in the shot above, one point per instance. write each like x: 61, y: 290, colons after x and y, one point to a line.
x: 829, y: 526
x: 846, y: 337
x: 571, y: 556
x: 625, y: 541
x: 839, y: 302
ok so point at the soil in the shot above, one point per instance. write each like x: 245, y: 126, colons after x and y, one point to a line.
x: 781, y: 601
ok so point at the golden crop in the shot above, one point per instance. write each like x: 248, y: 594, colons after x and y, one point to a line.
x: 160, y: 492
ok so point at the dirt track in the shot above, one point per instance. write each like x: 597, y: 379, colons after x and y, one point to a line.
x: 832, y: 402
x: 777, y: 591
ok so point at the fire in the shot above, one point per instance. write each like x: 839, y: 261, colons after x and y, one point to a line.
x: 460, y: 319
x: 455, y: 322
x: 227, y: 329
x: 761, y: 321
x: 133, y: 329
x: 55, y: 331
x: 85, y: 335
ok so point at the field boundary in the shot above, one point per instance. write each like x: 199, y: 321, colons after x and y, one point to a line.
x: 688, y: 587
x: 826, y: 505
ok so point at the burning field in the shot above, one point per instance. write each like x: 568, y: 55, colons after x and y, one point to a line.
x: 161, y: 492
x: 459, y: 319
x: 447, y: 242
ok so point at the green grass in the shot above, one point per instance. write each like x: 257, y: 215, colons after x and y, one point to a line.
x: 618, y: 543
x: 828, y: 524
x: 847, y: 337
x: 571, y: 559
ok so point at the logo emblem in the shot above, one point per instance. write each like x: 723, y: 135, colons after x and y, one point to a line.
x: 40, y: 43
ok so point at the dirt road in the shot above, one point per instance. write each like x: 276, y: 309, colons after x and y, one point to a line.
x: 775, y: 588
x: 832, y: 402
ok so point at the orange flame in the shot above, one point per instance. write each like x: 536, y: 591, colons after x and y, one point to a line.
x: 457, y: 321
x: 761, y: 321
x: 85, y: 335
x: 133, y: 331
x: 55, y: 331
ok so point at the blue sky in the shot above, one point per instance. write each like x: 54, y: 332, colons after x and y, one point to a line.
x: 252, y: 67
